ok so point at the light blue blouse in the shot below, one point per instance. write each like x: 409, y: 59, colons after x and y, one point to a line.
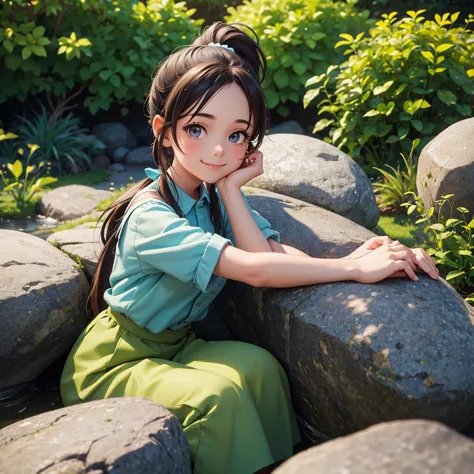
x: 162, y: 276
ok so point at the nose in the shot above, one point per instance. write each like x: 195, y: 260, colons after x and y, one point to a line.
x: 218, y: 150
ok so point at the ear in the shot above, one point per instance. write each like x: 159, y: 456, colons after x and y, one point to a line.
x: 158, y: 122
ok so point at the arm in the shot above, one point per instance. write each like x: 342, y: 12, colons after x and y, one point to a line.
x: 247, y: 234
x: 281, y: 271
x: 281, y: 248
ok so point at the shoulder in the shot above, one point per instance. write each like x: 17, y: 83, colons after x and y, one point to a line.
x: 152, y: 216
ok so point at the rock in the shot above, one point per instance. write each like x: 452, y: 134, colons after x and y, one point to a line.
x: 119, y: 154
x: 291, y: 126
x: 116, y: 168
x: 69, y: 202
x: 141, y: 129
x: 101, y: 162
x: 400, y: 447
x: 140, y: 156
x: 82, y: 243
x: 42, y: 306
x: 446, y: 166
x: 115, y: 135
x: 119, y: 435
x: 98, y: 147
x: 356, y: 354
x: 314, y: 171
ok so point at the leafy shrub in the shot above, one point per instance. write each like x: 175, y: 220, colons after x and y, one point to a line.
x: 60, y: 140
x: 107, y: 48
x: 391, y: 192
x: 211, y: 10
x: 23, y: 187
x: 407, y: 79
x: 298, y: 37
x: 454, y: 239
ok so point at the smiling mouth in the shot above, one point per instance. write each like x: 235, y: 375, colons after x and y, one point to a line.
x: 211, y: 165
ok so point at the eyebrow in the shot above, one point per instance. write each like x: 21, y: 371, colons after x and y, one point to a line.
x: 209, y: 116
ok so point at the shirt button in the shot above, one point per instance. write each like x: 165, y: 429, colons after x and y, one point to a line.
x: 198, y: 305
x: 200, y: 204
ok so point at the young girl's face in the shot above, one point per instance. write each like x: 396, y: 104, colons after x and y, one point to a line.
x: 215, y: 141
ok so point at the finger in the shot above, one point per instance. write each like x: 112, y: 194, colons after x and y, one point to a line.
x: 399, y: 274
x: 378, y: 241
x: 404, y: 254
x: 403, y: 265
x: 425, y: 263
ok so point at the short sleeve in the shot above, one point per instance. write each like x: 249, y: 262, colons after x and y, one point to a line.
x: 172, y: 245
x: 262, y: 223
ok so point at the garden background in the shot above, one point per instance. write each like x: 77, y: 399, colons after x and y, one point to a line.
x: 378, y: 79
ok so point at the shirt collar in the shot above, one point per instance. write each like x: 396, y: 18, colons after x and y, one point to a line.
x: 184, y: 201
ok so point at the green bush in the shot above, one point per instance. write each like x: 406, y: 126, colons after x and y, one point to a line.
x: 23, y: 182
x: 408, y: 79
x: 391, y: 192
x: 211, y: 10
x: 109, y: 49
x: 61, y: 141
x: 298, y: 37
x: 454, y: 240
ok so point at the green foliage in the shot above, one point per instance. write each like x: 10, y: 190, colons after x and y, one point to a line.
x: 211, y: 10
x: 60, y: 140
x: 454, y: 243
x: 391, y: 192
x: 107, y: 48
x: 298, y: 37
x: 406, y: 79
x: 24, y: 183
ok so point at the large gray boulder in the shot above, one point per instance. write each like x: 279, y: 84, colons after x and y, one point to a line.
x: 42, y: 306
x: 140, y: 156
x: 118, y: 435
x: 70, y: 202
x: 318, y: 173
x: 115, y: 135
x: 356, y: 354
x: 399, y: 447
x: 446, y: 166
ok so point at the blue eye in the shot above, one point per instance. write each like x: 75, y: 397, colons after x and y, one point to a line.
x: 194, y: 130
x: 243, y: 135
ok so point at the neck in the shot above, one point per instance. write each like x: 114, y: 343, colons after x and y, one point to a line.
x: 185, y: 180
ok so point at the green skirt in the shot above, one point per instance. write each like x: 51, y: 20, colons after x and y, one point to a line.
x: 232, y: 398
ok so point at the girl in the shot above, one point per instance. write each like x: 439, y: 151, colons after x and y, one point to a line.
x: 173, y: 240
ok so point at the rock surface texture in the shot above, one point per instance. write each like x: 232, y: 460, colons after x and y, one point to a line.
x: 81, y: 243
x: 318, y: 173
x: 70, y: 202
x: 42, y: 306
x: 118, y: 435
x: 446, y: 166
x: 401, y: 447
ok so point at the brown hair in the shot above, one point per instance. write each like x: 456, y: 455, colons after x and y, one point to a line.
x: 184, y: 83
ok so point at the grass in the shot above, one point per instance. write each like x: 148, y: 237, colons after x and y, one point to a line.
x: 9, y: 208
x: 402, y: 228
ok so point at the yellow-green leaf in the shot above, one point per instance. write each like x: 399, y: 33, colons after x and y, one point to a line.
x: 16, y: 169
x: 443, y: 47
x: 347, y: 37
x: 454, y: 274
x: 428, y: 55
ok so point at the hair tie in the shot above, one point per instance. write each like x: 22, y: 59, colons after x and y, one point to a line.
x: 222, y: 46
